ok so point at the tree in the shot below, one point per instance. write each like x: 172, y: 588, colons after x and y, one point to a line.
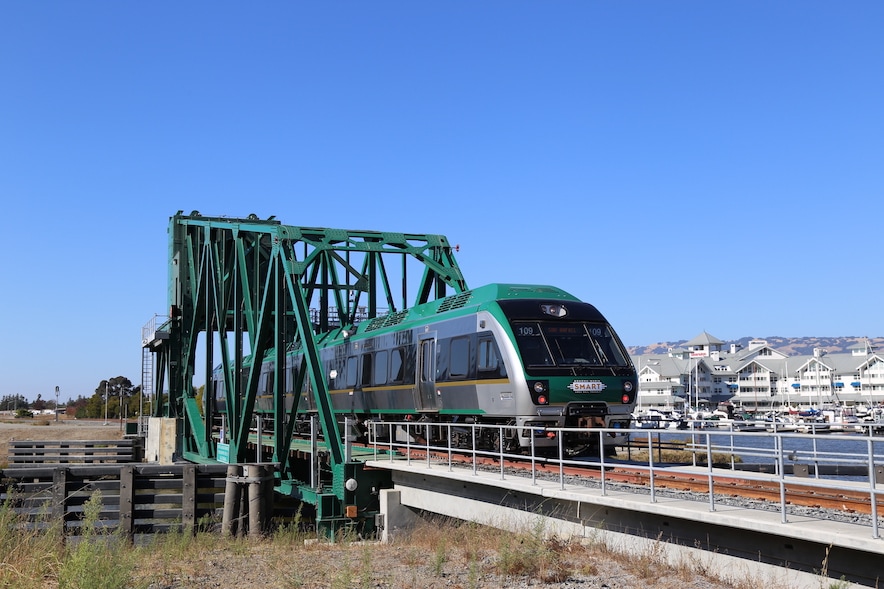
x: 39, y: 404
x: 92, y: 408
x: 134, y: 402
x: 105, y: 401
x: 13, y: 403
x: 77, y: 408
x: 199, y: 395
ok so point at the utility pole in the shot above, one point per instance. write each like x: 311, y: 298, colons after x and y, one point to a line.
x: 121, y: 407
x: 56, y: 404
x: 106, y: 397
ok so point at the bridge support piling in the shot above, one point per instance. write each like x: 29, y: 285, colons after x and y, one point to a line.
x: 229, y: 518
x: 248, y: 499
x: 395, y: 516
x: 259, y: 477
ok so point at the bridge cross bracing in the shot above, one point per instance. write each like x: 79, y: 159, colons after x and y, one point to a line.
x: 241, y: 287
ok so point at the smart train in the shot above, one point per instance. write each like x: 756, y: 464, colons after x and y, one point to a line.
x: 529, y: 356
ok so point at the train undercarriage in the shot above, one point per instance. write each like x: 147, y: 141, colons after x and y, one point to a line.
x: 535, y: 435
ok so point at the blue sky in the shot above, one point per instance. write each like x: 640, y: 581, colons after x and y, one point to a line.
x: 685, y: 166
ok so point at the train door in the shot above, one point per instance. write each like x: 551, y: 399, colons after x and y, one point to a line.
x: 425, y: 397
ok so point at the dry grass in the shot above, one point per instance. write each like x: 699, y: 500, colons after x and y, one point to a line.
x: 675, y: 452
x: 436, y: 554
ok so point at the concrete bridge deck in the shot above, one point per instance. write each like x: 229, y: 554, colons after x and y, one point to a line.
x: 736, y: 540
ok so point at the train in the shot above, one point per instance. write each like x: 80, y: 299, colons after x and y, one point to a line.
x: 528, y: 357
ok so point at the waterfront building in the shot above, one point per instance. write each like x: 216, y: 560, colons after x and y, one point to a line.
x: 707, y: 372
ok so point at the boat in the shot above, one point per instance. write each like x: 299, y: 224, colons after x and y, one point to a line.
x: 779, y: 424
x: 814, y: 427
x: 651, y: 419
x: 746, y: 425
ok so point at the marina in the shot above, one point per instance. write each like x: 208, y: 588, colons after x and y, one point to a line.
x: 869, y: 421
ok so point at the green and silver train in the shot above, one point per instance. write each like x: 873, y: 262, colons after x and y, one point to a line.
x: 530, y: 357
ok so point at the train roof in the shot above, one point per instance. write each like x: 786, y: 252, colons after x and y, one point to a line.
x: 468, y: 301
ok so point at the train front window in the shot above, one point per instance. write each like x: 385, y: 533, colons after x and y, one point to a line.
x: 568, y: 344
x: 605, y: 343
x: 531, y: 344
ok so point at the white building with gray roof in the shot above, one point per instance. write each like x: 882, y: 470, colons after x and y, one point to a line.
x: 706, y: 371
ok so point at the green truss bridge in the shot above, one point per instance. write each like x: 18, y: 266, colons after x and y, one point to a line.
x: 241, y: 287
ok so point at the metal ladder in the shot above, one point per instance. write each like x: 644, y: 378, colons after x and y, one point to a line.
x: 147, y: 380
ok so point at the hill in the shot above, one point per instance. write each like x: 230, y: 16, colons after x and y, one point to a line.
x: 793, y: 346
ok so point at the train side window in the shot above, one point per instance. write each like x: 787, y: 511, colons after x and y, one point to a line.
x: 307, y: 395
x: 397, y: 365
x: 366, y: 370
x: 428, y: 370
x: 292, y: 373
x: 489, y: 358
x: 265, y: 379
x: 351, y: 372
x: 380, y: 367
x: 243, y: 380
x: 459, y: 362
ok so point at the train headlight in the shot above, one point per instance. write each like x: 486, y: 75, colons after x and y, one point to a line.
x: 628, y: 392
x: 540, y: 392
x: 554, y: 310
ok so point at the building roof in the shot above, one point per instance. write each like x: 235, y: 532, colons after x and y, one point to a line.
x: 704, y: 339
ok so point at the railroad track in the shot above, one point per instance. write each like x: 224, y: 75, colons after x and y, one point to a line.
x: 769, y: 491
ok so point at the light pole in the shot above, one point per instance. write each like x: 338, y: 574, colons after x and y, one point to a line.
x: 121, y: 407
x: 56, y: 404
x: 106, y: 397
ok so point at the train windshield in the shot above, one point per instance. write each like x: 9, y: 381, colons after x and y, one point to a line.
x: 568, y: 344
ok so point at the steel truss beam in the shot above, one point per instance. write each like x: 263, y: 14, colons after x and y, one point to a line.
x: 250, y: 286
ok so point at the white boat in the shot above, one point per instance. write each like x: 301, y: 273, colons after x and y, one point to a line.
x: 814, y: 427
x: 781, y: 424
x: 654, y: 419
x: 749, y: 425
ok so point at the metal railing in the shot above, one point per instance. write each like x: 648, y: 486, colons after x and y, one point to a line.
x: 776, y: 449
x: 156, y: 328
